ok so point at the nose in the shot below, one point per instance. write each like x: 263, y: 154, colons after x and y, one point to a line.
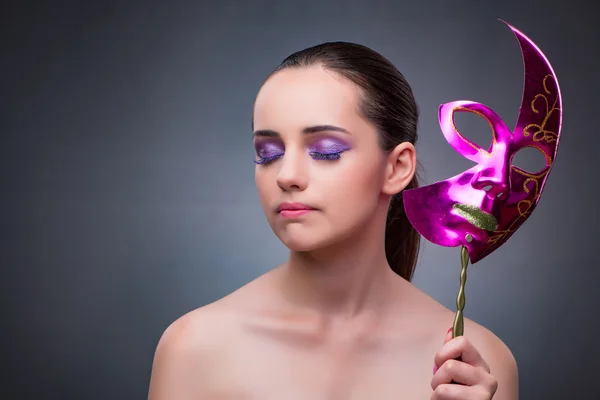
x: 493, y: 180
x: 292, y: 175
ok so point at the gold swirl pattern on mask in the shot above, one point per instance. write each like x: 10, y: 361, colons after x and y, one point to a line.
x: 538, y: 131
x: 523, y: 206
x: 527, y: 203
x: 467, y: 141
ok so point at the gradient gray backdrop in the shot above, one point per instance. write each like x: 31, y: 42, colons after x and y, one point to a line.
x: 128, y: 191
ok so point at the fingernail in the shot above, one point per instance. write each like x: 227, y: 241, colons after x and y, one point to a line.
x: 435, y: 368
x: 449, y: 330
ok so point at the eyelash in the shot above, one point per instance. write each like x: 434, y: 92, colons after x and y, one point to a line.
x: 314, y: 154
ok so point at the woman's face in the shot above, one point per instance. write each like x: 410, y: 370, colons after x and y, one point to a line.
x: 313, y: 147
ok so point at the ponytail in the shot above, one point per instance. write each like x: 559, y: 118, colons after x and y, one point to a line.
x: 401, y: 239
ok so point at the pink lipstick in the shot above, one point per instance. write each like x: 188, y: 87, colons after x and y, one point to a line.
x: 293, y: 210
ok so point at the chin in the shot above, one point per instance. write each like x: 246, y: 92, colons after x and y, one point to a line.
x: 305, y: 240
x: 301, y: 243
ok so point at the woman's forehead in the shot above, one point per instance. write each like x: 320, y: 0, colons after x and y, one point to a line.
x: 304, y: 97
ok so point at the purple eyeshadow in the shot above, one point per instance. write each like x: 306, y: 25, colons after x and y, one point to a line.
x: 266, y: 149
x: 323, y: 149
x: 329, y: 146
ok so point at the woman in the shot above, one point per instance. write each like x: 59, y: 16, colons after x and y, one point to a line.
x: 334, y: 130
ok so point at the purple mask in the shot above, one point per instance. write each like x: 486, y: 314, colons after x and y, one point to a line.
x: 482, y: 207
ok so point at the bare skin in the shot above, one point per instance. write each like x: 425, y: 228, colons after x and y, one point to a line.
x: 334, y: 321
x: 253, y: 344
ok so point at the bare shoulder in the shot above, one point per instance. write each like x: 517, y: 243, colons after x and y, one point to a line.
x: 192, y: 349
x: 498, y: 356
x: 185, y: 351
x: 494, y: 351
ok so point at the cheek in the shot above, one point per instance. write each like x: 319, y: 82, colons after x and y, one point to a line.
x: 353, y: 189
x: 264, y: 185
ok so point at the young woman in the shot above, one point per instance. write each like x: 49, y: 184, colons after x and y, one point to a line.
x: 334, y: 131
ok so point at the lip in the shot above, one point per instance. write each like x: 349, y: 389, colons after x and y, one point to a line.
x: 476, y: 216
x: 293, y: 213
x: 293, y: 210
x: 294, y: 207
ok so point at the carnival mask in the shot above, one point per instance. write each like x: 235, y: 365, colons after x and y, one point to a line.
x: 481, y: 208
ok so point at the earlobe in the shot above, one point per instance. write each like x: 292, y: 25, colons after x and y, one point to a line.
x: 400, y: 168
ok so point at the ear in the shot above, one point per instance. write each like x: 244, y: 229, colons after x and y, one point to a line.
x: 401, y: 165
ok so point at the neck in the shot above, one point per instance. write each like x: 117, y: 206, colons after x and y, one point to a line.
x: 345, y: 279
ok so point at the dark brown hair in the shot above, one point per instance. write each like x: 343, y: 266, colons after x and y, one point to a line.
x: 388, y: 102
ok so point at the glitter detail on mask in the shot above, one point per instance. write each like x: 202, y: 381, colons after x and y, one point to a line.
x: 476, y: 216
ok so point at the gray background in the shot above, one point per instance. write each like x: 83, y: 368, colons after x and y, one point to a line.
x: 128, y: 196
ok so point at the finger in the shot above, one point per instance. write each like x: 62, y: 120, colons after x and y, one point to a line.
x: 448, y: 335
x: 453, y: 371
x: 447, y: 338
x: 459, y: 392
x: 460, y: 347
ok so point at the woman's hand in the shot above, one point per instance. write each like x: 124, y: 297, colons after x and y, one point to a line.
x: 459, y: 361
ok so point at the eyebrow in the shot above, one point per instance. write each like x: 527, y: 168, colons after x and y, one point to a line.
x: 306, y: 131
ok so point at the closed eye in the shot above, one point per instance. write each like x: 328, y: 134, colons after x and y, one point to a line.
x: 314, y: 154
x: 326, y: 156
x: 267, y: 160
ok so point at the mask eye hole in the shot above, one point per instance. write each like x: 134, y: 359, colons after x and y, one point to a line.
x: 471, y: 126
x: 529, y: 159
